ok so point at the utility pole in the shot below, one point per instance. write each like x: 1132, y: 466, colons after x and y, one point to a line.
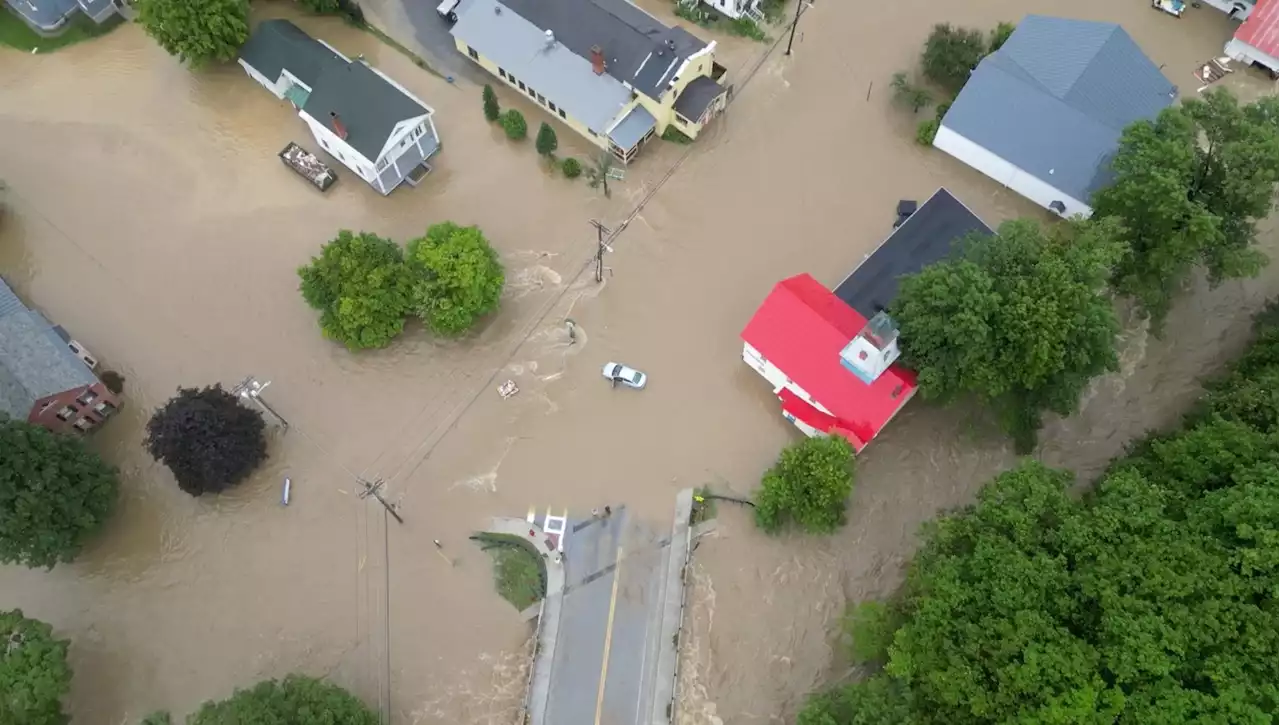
x: 602, y: 233
x: 251, y: 389
x: 799, y: 5
x: 372, y: 489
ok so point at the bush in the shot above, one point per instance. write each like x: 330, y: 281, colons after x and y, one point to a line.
x: 361, y: 288
x: 55, y: 494
x: 571, y: 167
x: 925, y: 132
x: 197, y: 31
x: 207, y: 439
x: 942, y: 110
x: 869, y: 626
x: 457, y: 277
x: 546, y: 143
x: 1000, y: 35
x: 747, y: 28
x: 514, y: 124
x: 808, y: 486
x: 34, y: 675
x: 908, y: 95
x: 492, y: 112
x: 295, y: 699
x: 950, y: 55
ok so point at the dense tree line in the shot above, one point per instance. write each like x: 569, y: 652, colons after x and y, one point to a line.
x: 1151, y: 600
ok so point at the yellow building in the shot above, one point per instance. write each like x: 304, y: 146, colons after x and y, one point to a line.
x: 605, y: 68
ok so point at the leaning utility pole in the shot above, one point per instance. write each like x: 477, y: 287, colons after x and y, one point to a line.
x: 799, y: 6
x: 251, y: 389
x: 602, y: 233
x: 372, y: 489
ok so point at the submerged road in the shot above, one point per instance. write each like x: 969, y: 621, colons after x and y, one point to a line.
x: 606, y: 661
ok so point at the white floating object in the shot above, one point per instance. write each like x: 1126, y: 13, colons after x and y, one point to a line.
x: 288, y: 487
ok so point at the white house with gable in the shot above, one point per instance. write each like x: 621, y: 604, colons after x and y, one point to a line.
x: 358, y: 115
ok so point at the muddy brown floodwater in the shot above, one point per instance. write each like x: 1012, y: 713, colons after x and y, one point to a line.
x: 147, y: 214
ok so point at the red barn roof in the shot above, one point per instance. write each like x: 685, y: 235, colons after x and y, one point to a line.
x: 1262, y: 29
x: 801, y: 328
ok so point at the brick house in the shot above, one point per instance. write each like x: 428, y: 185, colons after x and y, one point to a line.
x: 42, y: 380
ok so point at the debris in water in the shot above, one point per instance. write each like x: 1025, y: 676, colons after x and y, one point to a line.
x: 288, y: 488
x: 508, y: 389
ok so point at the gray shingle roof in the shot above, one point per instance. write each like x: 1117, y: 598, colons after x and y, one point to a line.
x: 1055, y: 98
x: 552, y: 69
x: 34, y: 361
x: 699, y: 94
x: 638, y: 49
x: 368, y: 106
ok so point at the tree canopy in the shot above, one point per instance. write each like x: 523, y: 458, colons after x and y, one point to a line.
x: 1189, y: 188
x: 1016, y: 319
x: 34, y: 675
x: 951, y: 54
x: 207, y: 439
x: 809, y: 486
x: 457, y: 277
x: 361, y: 287
x: 55, y: 494
x: 197, y: 31
x: 1152, y: 600
x: 295, y: 699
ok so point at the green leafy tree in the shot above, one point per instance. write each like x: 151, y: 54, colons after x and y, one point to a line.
x: 1017, y: 320
x: 809, y: 486
x: 1000, y: 35
x: 197, y: 31
x: 492, y: 112
x: 514, y: 125
x: 869, y: 627
x: 1189, y: 188
x: 1247, y: 393
x: 598, y: 172
x: 295, y: 699
x: 546, y: 143
x: 571, y: 168
x: 361, y: 287
x: 321, y: 6
x: 951, y: 54
x: 1150, y: 600
x: 458, y: 277
x: 55, y: 494
x: 159, y: 717
x: 927, y: 131
x: 906, y: 94
x: 34, y: 675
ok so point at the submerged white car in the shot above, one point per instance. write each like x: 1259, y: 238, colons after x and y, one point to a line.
x: 630, y: 377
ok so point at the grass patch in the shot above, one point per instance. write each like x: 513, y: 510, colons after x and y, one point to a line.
x: 518, y: 572
x: 674, y: 135
x: 417, y: 60
x: 16, y: 34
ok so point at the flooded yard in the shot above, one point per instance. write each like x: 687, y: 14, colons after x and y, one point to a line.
x: 147, y: 214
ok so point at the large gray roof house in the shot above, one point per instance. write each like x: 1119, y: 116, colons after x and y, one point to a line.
x: 372, y: 124
x: 50, y: 17
x: 41, y: 380
x: 606, y: 68
x: 1043, y: 115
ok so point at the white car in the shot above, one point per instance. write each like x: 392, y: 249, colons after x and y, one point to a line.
x: 630, y: 377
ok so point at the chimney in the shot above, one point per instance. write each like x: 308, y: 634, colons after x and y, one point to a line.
x: 597, y: 60
x: 551, y: 37
x: 338, y: 128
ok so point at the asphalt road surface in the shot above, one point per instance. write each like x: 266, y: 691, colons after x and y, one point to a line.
x: 605, y: 656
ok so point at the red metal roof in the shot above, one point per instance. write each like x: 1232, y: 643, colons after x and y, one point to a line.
x: 1262, y: 29
x: 801, y: 328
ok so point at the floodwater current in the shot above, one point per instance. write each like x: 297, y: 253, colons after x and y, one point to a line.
x: 147, y: 214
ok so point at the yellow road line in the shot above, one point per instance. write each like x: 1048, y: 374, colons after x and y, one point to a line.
x: 608, y: 633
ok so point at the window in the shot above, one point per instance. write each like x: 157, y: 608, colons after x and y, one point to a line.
x: 593, y: 133
x: 541, y: 99
x: 502, y: 73
x: 104, y: 409
x: 562, y: 114
x: 472, y: 52
x: 88, y: 397
x: 84, y: 424
x: 521, y: 84
x: 532, y: 93
x: 67, y: 412
x: 680, y: 120
x: 552, y: 106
